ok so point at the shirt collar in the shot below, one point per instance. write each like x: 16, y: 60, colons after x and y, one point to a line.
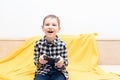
x: 55, y: 42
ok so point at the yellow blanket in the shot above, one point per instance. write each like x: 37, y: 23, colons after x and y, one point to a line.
x: 82, y: 55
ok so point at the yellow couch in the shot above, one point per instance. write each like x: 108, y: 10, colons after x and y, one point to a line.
x: 82, y: 55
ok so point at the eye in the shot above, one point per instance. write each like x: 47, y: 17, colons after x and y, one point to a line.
x: 53, y: 24
x: 47, y: 24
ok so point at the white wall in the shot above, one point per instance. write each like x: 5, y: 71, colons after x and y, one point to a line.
x: 23, y: 18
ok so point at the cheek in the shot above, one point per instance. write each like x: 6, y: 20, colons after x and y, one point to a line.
x: 57, y: 30
x: 43, y: 29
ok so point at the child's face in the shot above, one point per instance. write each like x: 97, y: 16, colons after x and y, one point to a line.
x: 50, y: 27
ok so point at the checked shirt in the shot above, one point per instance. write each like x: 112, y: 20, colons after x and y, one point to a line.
x: 57, y: 47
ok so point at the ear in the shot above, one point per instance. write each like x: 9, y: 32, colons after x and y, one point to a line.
x: 59, y: 28
x: 42, y: 27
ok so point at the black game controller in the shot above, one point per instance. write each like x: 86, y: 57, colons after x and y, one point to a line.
x: 51, y: 59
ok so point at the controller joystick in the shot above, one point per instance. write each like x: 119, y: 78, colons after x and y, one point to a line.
x: 51, y: 59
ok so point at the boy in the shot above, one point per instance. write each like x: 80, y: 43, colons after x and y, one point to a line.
x: 50, y: 54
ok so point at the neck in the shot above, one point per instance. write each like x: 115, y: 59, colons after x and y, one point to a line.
x: 49, y: 40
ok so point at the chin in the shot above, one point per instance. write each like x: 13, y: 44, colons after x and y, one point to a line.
x: 51, y: 36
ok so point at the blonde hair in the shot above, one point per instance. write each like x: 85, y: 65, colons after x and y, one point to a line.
x: 52, y: 16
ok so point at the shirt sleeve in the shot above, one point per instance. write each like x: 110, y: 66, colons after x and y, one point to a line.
x: 64, y: 55
x: 36, y: 55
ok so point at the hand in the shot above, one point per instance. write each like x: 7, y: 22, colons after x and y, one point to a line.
x: 41, y: 59
x: 60, y: 63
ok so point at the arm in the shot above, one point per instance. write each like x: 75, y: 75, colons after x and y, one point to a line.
x: 63, y: 62
x: 64, y: 55
x: 36, y: 55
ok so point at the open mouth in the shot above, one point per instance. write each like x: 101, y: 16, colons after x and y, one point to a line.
x: 50, y: 31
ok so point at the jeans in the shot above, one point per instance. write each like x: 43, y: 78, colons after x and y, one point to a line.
x: 52, y: 75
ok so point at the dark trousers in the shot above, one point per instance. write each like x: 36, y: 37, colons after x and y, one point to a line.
x: 52, y: 75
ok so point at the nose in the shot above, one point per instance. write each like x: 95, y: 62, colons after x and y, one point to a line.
x: 50, y: 26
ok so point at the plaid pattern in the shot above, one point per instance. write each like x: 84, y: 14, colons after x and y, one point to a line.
x: 57, y: 47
